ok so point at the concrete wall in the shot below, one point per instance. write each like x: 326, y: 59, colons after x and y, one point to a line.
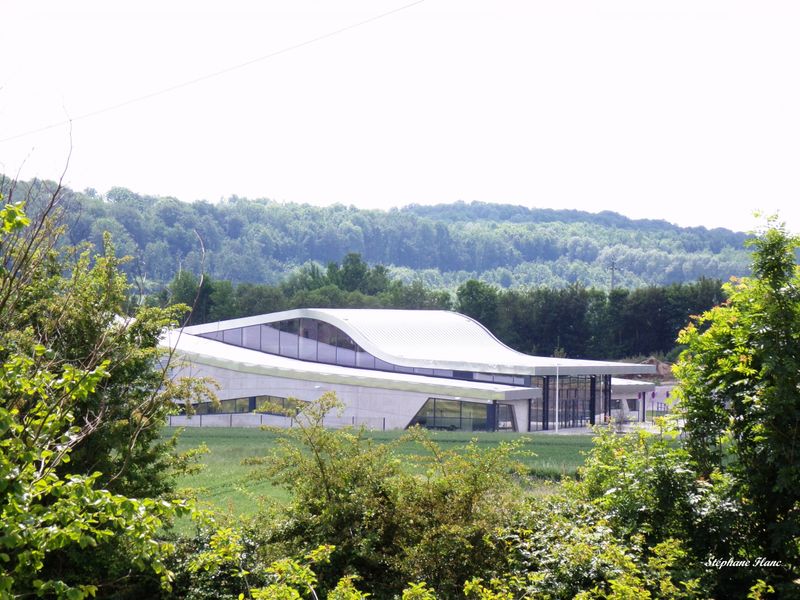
x: 375, y: 408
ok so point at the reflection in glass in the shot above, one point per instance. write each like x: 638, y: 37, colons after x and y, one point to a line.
x: 308, y: 340
x: 270, y: 339
x: 232, y: 336
x: 440, y: 413
x: 251, y: 337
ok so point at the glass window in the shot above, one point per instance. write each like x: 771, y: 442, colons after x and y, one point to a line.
x: 326, y: 333
x: 275, y: 405
x: 308, y: 339
x: 232, y: 336
x: 383, y: 365
x: 447, y: 414
x: 474, y: 417
x: 270, y: 338
x: 227, y: 406
x: 364, y: 359
x: 439, y: 413
x: 345, y: 357
x: 537, y: 414
x: 326, y: 343
x: 270, y: 404
x: 505, y: 418
x: 425, y: 416
x: 289, y: 337
x: 251, y: 337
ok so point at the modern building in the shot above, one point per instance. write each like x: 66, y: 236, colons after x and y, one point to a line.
x: 391, y: 369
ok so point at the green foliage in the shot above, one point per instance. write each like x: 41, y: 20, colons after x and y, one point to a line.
x: 626, y: 529
x: 47, y: 509
x: 479, y: 300
x: 79, y: 318
x: 642, y: 484
x: 255, y: 241
x: 225, y: 485
x: 581, y: 322
x: 740, y: 376
x: 389, y: 525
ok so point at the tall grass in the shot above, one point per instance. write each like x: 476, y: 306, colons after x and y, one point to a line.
x: 229, y: 485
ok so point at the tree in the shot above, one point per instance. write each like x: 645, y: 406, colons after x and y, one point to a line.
x: 479, y: 300
x: 740, y: 398
x: 49, y: 512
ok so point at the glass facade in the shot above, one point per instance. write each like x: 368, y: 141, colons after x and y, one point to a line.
x: 582, y: 400
x: 452, y: 415
x: 271, y: 405
x: 317, y: 341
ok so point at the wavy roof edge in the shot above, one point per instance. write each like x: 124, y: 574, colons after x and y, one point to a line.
x: 432, y: 339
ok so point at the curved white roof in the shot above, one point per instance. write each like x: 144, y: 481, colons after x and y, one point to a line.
x: 432, y: 339
x: 195, y: 351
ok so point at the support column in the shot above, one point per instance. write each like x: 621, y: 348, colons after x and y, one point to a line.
x: 546, y: 403
x: 491, y: 416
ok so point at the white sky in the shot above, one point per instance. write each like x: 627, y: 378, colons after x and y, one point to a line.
x: 682, y: 110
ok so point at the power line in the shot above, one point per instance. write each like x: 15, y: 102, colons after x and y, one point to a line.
x: 213, y: 75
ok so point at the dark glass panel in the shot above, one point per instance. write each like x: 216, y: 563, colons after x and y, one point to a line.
x: 326, y: 333
x: 227, y: 406
x: 289, y: 337
x: 275, y: 405
x: 474, y: 417
x: 425, y: 416
x: 536, y: 415
x: 447, y: 414
x: 505, y: 418
x: 203, y: 408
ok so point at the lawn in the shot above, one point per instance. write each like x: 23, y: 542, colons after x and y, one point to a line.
x: 228, y: 485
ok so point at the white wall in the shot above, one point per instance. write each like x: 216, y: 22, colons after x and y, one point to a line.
x: 375, y: 408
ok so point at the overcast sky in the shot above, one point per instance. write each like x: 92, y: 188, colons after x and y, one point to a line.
x: 687, y: 111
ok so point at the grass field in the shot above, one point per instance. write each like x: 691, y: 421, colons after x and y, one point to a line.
x: 228, y: 485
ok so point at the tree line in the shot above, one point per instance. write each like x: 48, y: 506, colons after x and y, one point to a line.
x: 572, y: 321
x: 258, y: 240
